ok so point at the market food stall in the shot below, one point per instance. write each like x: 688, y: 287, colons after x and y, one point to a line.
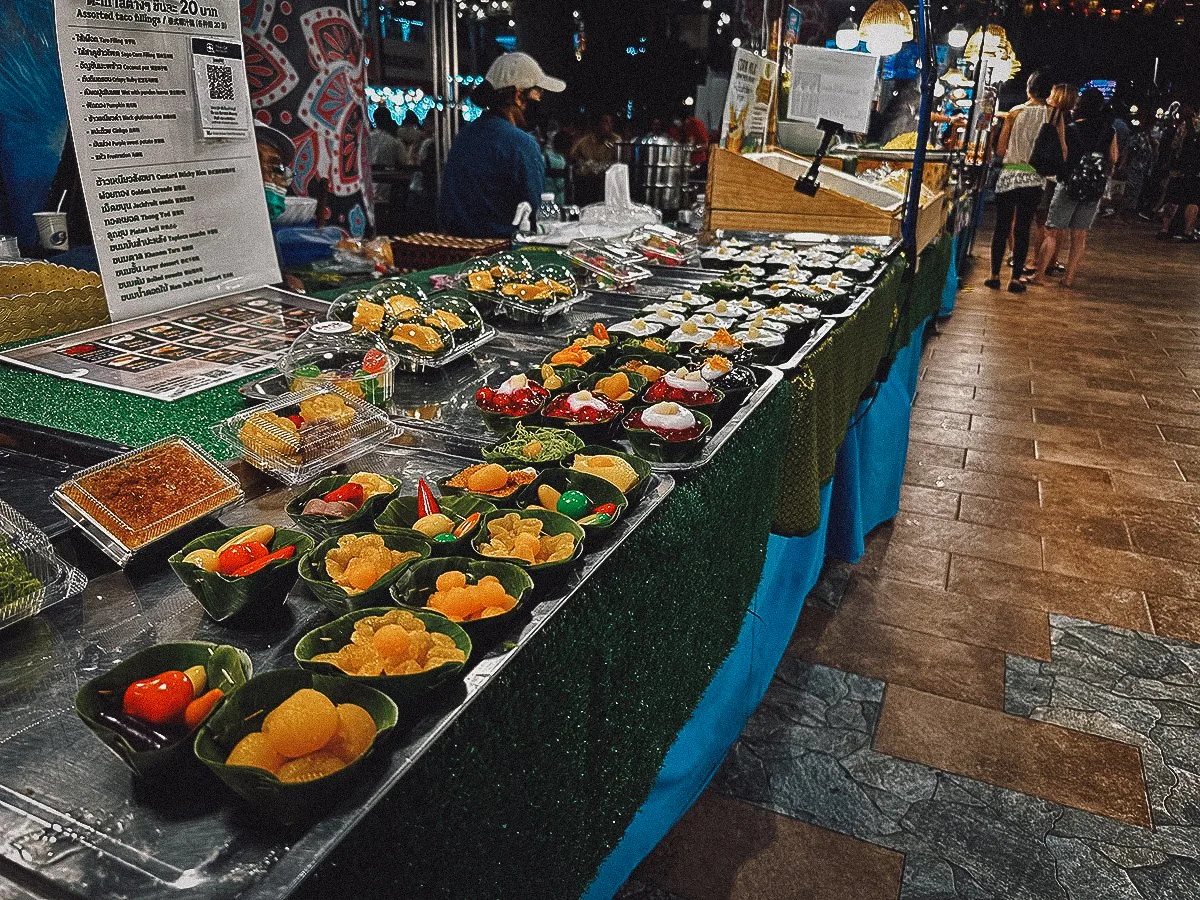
x: 555, y: 736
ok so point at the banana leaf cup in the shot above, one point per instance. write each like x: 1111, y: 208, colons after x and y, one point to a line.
x: 568, y: 374
x: 637, y: 383
x: 402, y: 688
x: 420, y: 581
x: 224, y: 596
x: 243, y: 713
x: 336, y: 598
x: 596, y: 489
x: 655, y: 447
x: 322, y: 527
x: 544, y: 574
x: 399, y: 516
x: 639, y: 466
x: 227, y: 668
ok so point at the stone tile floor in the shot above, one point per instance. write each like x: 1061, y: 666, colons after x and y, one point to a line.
x: 1002, y: 698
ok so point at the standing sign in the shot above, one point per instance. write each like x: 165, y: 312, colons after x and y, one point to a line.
x: 748, y: 103
x: 160, y: 112
x: 838, y: 85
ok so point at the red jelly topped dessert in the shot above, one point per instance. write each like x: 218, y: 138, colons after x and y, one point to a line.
x: 682, y: 386
x: 518, y: 396
x: 670, y: 421
x: 583, y: 408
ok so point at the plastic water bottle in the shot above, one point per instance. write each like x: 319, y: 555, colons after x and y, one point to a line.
x: 548, y: 212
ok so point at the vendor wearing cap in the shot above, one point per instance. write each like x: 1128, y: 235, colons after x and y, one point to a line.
x: 494, y: 164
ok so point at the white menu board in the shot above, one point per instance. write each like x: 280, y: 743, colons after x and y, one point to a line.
x: 160, y: 113
x: 838, y: 85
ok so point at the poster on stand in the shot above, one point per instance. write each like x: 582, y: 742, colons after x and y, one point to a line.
x: 838, y: 85
x: 166, y: 356
x: 159, y: 109
x: 748, y: 103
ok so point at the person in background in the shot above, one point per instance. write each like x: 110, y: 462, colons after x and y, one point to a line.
x: 557, y: 167
x: 276, y: 153
x: 1183, y: 189
x: 494, y: 165
x: 1019, y: 186
x: 387, y: 156
x: 691, y: 130
x: 1114, y: 192
x: 1061, y: 102
x: 591, y: 156
x: 1089, y: 133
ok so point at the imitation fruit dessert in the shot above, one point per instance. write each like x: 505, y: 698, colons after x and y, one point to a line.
x: 434, y: 524
x: 360, y: 560
x: 243, y: 554
x: 163, y: 709
x: 396, y: 643
x: 306, y: 737
x: 574, y: 504
x: 670, y: 421
x: 348, y: 499
x: 512, y: 536
x: 460, y: 599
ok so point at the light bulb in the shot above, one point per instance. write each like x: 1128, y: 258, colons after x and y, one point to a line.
x: 957, y: 38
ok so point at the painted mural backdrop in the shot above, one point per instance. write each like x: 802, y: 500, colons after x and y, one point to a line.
x: 33, y: 113
x: 307, y: 74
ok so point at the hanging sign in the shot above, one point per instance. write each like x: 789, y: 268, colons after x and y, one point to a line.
x: 838, y: 85
x: 160, y: 114
x: 748, y: 103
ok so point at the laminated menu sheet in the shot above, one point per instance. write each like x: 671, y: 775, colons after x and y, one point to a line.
x: 169, y: 355
x: 159, y: 110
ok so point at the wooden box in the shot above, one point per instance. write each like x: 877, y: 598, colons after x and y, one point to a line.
x: 756, y: 192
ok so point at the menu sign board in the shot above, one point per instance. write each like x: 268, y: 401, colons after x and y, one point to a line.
x: 748, y: 103
x: 159, y: 109
x: 838, y: 85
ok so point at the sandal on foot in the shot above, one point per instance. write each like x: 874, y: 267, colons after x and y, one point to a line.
x: 1015, y: 287
x: 993, y: 283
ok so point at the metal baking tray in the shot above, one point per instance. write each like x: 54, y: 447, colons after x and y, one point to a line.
x: 111, y: 545
x: 82, y: 828
x: 818, y: 334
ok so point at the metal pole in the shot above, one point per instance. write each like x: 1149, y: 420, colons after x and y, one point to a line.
x: 456, y: 85
x: 435, y: 60
x: 928, y: 80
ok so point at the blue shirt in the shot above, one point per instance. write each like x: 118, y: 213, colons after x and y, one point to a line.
x: 492, y: 166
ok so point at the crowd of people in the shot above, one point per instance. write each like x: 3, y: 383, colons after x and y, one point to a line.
x: 504, y: 157
x: 1068, y: 157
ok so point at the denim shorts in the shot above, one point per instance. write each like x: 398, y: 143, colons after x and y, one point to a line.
x: 1067, y: 212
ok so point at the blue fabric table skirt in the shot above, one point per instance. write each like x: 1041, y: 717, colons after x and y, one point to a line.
x: 864, y: 491
x: 950, y: 288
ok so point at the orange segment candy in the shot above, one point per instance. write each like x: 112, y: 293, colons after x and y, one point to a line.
x: 354, y: 734
x: 467, y: 602
x: 255, y: 750
x: 301, y: 724
x: 310, y: 767
x: 451, y: 579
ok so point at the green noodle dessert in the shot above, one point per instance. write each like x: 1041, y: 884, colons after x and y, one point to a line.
x: 534, y: 445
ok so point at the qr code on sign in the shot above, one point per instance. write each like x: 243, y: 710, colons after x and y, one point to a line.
x: 220, y: 82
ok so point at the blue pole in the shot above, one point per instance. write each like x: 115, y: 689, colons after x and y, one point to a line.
x: 928, y: 80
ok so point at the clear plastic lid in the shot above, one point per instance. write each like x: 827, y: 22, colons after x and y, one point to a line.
x: 356, y: 360
x: 612, y: 263
x: 32, y: 575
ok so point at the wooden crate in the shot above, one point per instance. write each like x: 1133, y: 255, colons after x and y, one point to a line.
x: 746, y: 194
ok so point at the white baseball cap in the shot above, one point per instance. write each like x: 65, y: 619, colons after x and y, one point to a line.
x: 520, y: 70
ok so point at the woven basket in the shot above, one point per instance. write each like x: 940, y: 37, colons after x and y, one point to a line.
x: 427, y: 250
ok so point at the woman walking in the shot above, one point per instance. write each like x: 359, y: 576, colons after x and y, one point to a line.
x: 1071, y: 212
x: 1019, y: 187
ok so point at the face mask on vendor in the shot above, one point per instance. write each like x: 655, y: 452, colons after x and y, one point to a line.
x: 276, y: 176
x: 276, y: 200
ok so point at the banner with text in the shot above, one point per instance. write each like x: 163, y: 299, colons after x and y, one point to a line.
x: 160, y: 112
x: 838, y: 85
x: 748, y: 103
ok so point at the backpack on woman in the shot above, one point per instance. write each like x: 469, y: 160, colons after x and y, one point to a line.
x: 1086, y: 182
x: 1048, y: 154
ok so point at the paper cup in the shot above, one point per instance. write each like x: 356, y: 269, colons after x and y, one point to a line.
x: 52, y: 230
